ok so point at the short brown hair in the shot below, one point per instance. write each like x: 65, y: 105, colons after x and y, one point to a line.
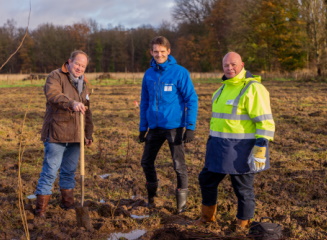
x: 76, y: 52
x: 160, y: 40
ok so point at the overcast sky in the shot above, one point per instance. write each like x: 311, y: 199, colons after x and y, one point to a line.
x: 128, y: 13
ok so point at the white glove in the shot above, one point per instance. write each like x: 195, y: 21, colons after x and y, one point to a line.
x: 257, y: 160
x: 256, y: 164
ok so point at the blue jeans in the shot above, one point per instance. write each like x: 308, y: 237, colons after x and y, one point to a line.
x: 242, y: 185
x: 58, y: 156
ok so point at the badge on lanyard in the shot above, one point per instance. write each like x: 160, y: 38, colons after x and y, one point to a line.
x: 168, y: 88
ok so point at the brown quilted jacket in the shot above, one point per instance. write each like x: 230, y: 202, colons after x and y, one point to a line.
x: 61, y: 123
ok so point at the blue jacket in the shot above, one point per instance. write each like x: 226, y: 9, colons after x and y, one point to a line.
x: 168, y: 98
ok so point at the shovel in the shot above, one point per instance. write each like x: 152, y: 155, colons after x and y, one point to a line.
x: 82, y: 213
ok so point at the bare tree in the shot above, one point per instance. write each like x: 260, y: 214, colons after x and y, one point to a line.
x: 192, y: 11
x: 314, y: 14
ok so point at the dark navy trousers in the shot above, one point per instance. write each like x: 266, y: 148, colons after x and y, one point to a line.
x: 242, y: 185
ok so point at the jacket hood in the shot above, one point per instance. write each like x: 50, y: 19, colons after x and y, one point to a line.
x: 163, y: 66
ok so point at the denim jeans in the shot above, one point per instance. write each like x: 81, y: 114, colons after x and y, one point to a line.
x: 154, y: 140
x: 58, y: 156
x: 242, y: 185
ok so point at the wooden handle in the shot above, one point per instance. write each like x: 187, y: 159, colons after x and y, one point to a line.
x: 82, y: 145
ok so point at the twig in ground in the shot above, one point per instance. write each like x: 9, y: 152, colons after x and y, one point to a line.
x: 20, y: 184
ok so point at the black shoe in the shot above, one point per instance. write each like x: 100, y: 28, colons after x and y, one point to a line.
x: 151, y: 187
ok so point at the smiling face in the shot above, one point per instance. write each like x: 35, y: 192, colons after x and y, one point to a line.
x: 160, y: 53
x: 78, y: 65
x: 232, y: 64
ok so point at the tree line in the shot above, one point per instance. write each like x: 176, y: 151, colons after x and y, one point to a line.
x: 271, y: 35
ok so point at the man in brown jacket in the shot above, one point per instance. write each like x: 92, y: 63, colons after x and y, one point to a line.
x: 67, y: 97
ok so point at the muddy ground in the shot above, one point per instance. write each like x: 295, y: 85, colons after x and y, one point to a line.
x: 292, y: 192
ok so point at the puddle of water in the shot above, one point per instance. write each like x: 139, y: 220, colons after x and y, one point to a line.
x: 139, y: 217
x: 31, y: 196
x: 104, y: 176
x: 130, y: 236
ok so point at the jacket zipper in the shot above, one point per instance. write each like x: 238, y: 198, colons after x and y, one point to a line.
x: 158, y: 93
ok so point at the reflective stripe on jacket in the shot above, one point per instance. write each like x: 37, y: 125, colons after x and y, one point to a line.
x: 168, y: 98
x: 240, y: 113
x: 241, y: 109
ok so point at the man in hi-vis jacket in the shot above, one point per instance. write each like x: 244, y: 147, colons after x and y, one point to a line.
x: 168, y: 105
x: 241, y: 126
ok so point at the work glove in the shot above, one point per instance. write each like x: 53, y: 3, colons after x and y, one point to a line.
x: 188, y: 136
x: 142, y: 136
x: 257, y: 159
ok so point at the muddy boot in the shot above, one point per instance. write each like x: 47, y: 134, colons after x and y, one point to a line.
x: 208, y: 214
x: 151, y: 187
x: 67, y: 199
x: 181, y: 197
x: 241, y: 228
x: 242, y: 224
x: 41, y: 205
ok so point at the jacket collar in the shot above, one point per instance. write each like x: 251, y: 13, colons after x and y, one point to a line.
x: 163, y: 66
x: 243, y: 76
x: 64, y: 68
x: 235, y: 80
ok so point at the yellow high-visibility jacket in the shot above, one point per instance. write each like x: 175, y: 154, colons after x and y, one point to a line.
x: 241, y: 113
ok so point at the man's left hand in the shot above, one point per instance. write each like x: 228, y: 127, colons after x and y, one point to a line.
x: 88, y: 142
x: 188, y: 136
x: 259, y: 157
x: 259, y: 152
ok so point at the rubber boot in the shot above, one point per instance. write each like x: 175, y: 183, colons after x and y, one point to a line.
x: 208, y: 214
x: 67, y: 199
x: 41, y: 205
x: 181, y: 197
x: 242, y: 223
x: 151, y: 187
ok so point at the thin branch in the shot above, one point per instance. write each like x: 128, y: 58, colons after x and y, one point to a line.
x: 21, y: 43
x: 21, y: 148
x: 20, y: 184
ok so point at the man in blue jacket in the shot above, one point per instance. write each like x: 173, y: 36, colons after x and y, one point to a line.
x: 169, y: 104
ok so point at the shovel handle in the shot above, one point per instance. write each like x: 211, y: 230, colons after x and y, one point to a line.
x: 82, y: 165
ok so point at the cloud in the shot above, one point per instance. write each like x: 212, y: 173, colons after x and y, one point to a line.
x: 128, y: 13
